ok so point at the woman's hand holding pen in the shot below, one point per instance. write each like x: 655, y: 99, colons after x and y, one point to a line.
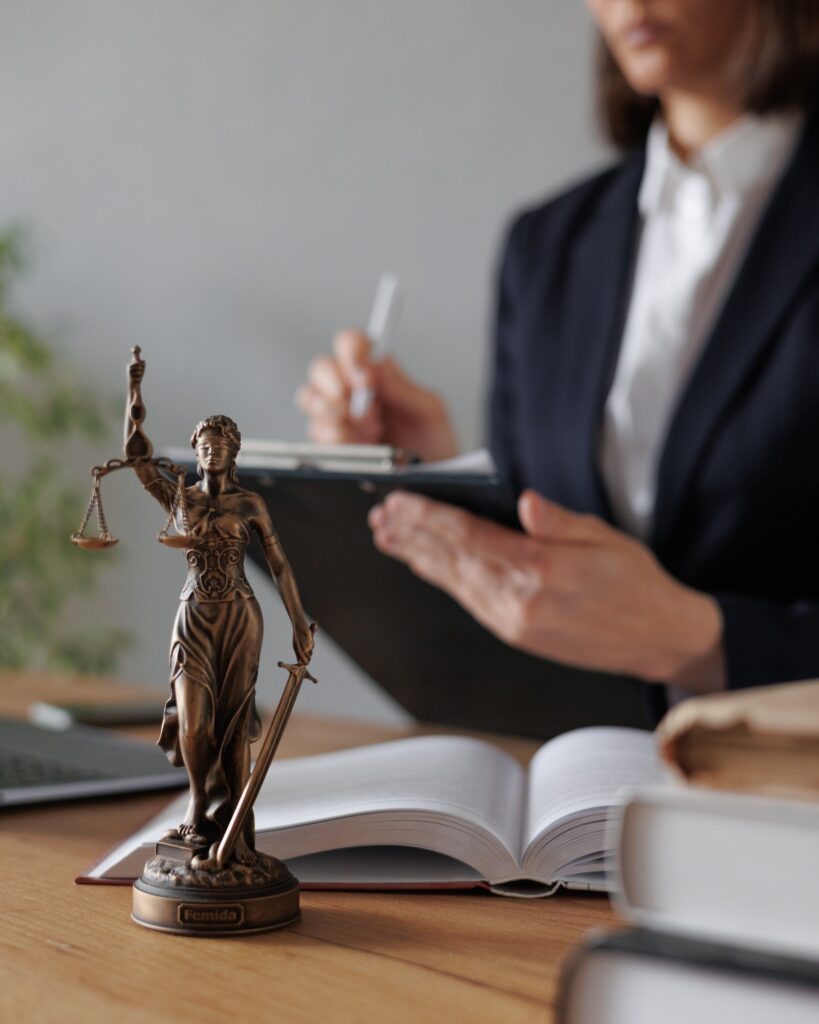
x: 571, y: 588
x: 402, y: 413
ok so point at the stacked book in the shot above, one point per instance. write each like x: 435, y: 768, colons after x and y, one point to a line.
x: 720, y: 877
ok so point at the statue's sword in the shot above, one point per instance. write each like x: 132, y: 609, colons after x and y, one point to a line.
x: 298, y: 673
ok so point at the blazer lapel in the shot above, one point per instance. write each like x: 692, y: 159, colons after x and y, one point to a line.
x: 785, y: 248
x: 599, y: 273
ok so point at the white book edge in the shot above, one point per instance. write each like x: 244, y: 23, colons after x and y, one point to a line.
x: 719, y: 866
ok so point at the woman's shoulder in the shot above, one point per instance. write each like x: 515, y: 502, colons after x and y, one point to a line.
x: 606, y: 192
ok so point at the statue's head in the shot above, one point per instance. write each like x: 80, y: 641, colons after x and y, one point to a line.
x: 216, y: 442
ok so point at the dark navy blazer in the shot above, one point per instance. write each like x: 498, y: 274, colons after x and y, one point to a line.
x: 737, y: 504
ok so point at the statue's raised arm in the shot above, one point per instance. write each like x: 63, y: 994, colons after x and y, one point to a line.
x: 137, y: 448
x: 135, y: 444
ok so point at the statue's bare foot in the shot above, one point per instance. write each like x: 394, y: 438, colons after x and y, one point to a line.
x: 190, y: 832
x: 187, y: 834
x: 242, y: 854
x: 194, y: 813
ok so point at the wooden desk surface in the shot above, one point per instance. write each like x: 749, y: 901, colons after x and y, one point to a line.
x: 70, y: 953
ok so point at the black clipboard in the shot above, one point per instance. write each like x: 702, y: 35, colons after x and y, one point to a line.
x: 413, y: 640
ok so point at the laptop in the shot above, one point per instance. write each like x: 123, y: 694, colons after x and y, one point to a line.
x: 38, y: 764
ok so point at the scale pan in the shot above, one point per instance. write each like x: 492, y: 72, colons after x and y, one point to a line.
x: 93, y: 543
x: 175, y: 540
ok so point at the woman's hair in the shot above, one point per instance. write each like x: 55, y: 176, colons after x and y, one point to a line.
x: 226, y: 428
x: 781, y: 72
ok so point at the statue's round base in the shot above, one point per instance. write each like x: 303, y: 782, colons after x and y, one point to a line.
x: 236, y: 900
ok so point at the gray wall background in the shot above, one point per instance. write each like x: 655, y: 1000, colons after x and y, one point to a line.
x: 222, y: 182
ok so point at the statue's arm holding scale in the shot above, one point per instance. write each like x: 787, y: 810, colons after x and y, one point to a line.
x: 136, y: 444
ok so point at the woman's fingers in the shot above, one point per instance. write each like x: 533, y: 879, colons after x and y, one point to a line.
x: 329, y: 420
x: 353, y: 352
x: 325, y: 398
x: 411, y: 512
x: 546, y: 520
x: 329, y: 432
x: 447, y: 549
x: 428, y: 552
x: 447, y: 545
x: 318, y: 404
x: 324, y: 374
x: 400, y: 412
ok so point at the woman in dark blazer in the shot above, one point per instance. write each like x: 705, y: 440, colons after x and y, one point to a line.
x: 714, y: 581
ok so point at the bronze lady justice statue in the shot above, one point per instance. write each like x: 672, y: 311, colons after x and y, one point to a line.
x: 196, y: 884
x: 210, y: 717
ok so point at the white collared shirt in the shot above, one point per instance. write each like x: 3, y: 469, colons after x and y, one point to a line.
x: 697, y: 222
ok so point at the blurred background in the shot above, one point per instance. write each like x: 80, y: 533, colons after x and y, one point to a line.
x: 222, y: 183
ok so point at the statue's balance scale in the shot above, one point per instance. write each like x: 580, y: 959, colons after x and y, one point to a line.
x: 195, y: 885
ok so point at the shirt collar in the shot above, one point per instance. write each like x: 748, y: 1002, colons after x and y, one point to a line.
x: 748, y: 155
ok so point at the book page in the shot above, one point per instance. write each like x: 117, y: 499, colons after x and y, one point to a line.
x: 456, y: 796
x: 573, y: 781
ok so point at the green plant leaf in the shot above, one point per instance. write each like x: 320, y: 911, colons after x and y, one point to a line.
x: 40, y: 570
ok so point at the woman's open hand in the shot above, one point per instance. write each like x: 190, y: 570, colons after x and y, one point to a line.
x: 402, y: 413
x: 571, y: 588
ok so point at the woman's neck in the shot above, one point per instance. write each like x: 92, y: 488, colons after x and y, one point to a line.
x: 692, y: 120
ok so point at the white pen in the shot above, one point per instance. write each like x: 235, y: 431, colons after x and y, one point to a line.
x: 380, y: 330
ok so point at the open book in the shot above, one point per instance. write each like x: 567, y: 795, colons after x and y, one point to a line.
x: 436, y: 811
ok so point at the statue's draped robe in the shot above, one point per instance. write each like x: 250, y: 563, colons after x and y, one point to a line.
x: 216, y: 643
